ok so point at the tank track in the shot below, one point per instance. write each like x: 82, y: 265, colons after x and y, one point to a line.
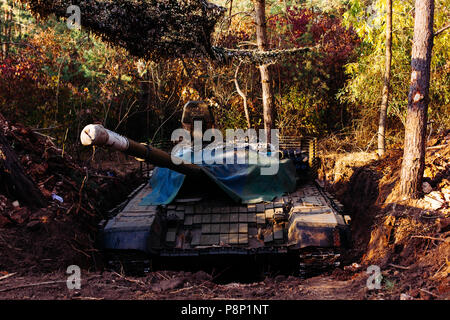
x: 128, y: 262
x: 315, y: 262
x: 320, y: 260
x: 310, y: 263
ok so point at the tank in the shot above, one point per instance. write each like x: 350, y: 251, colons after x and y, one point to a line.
x: 206, y: 215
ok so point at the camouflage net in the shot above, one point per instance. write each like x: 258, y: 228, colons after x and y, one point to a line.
x: 153, y: 29
x: 257, y: 56
x: 146, y: 28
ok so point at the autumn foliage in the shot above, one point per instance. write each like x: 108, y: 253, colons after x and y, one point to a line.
x: 53, y: 77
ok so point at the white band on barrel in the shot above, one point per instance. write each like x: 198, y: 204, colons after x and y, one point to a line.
x: 96, y: 134
x: 116, y: 141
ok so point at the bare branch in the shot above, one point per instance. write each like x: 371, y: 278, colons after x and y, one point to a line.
x: 247, y: 116
x: 441, y: 30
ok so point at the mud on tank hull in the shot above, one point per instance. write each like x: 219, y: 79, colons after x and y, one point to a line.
x: 307, y: 224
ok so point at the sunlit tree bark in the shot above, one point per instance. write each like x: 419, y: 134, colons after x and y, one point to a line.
x: 266, y: 80
x: 387, y: 79
x: 416, y: 121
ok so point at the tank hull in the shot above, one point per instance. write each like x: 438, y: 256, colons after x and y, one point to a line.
x: 307, y: 224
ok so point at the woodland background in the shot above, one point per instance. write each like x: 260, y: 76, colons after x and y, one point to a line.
x: 57, y: 80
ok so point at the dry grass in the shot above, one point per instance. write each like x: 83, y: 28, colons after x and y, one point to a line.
x: 337, y: 167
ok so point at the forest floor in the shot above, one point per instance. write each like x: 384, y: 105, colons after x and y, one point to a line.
x: 179, y: 285
x: 408, y: 239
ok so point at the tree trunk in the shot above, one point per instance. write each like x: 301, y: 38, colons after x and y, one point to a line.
x: 266, y: 81
x: 387, y: 79
x: 416, y: 120
x: 12, y: 172
x: 8, y: 13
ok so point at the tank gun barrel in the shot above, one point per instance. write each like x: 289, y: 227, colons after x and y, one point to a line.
x: 97, y: 135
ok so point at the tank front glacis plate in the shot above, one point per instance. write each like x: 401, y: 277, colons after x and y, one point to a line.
x: 301, y: 219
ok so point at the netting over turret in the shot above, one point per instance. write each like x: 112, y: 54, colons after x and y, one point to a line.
x: 153, y: 29
x: 146, y: 28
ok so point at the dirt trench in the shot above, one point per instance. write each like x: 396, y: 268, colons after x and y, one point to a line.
x: 408, y: 239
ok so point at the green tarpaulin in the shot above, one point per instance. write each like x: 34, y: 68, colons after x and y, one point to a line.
x: 244, y: 183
